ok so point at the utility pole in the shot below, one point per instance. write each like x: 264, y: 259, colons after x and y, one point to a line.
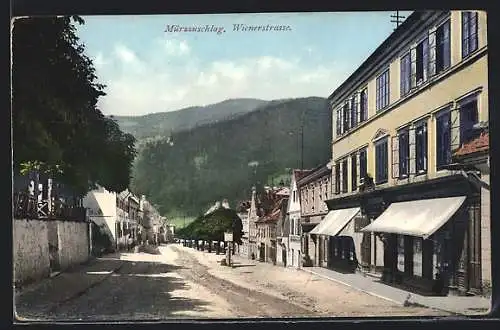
x: 397, y: 19
x: 302, y: 139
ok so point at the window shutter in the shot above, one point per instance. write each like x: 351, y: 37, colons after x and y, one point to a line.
x: 465, y: 33
x: 446, y: 45
x: 412, y: 158
x: 425, y: 58
x: 455, y: 128
x: 358, y: 106
x: 395, y: 156
x: 431, y: 70
x: 473, y: 31
x: 425, y: 147
x: 358, y: 170
x: 413, y: 59
x: 341, y: 176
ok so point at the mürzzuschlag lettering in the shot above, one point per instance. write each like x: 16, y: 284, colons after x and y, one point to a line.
x: 195, y: 28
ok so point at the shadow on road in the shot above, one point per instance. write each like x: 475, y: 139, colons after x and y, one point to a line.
x: 138, y: 290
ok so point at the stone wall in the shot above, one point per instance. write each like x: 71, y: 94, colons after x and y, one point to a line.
x: 31, y: 250
x: 73, y: 243
x: 485, y: 234
x: 34, y: 240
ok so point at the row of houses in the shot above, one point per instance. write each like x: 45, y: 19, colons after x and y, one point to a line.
x: 405, y: 196
x: 124, y: 217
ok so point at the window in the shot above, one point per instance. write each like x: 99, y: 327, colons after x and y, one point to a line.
x: 294, y: 195
x: 381, y: 161
x: 344, y: 176
x: 405, y: 74
x: 354, y: 112
x: 404, y: 153
x: 363, y: 105
x: 339, y: 121
x: 337, y: 178
x: 346, y: 117
x: 421, y: 147
x: 469, y: 33
x: 443, y: 53
x: 362, y: 164
x: 417, y: 256
x: 468, y: 118
x: 383, y: 90
x: 422, y: 60
x: 354, y: 174
x: 443, y: 139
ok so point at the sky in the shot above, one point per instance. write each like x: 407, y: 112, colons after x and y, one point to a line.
x: 149, y: 69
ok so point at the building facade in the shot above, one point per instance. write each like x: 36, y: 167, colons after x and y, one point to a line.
x: 294, y: 255
x: 253, y: 216
x: 243, y: 212
x: 314, y: 189
x: 397, y: 121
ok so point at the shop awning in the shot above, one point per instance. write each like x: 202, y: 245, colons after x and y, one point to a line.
x: 420, y: 218
x: 334, y: 221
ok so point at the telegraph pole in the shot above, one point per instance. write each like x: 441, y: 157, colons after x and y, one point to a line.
x: 397, y: 19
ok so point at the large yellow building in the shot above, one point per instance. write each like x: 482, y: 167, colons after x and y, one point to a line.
x: 396, y: 122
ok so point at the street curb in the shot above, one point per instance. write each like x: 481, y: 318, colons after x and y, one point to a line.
x: 83, y: 291
x: 377, y: 295
x: 352, y: 286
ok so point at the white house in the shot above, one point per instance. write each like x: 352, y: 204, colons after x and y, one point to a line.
x: 294, y: 234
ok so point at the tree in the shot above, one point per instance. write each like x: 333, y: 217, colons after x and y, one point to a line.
x: 56, y: 121
x: 211, y: 227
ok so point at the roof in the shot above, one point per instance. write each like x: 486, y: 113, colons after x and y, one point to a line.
x: 274, y: 214
x: 299, y: 174
x: 243, y: 206
x: 285, y: 191
x: 413, y: 21
x: 318, y: 172
x: 479, y: 144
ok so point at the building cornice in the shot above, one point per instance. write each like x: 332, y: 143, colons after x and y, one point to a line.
x: 424, y: 87
x: 318, y: 173
x: 390, y: 48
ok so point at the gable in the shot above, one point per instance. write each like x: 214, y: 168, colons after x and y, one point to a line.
x: 380, y: 134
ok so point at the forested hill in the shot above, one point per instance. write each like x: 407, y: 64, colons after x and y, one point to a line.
x: 211, y: 162
x: 162, y: 124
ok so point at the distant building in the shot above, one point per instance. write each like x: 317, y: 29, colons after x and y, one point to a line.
x: 243, y: 210
x: 314, y: 189
x: 273, y: 205
x: 291, y: 243
x: 118, y: 215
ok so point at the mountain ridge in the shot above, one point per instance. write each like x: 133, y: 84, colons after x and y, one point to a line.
x: 193, y: 167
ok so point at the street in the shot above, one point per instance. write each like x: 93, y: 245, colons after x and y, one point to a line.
x: 185, y: 283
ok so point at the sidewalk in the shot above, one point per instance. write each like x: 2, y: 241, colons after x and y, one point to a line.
x: 46, y: 295
x: 452, y: 304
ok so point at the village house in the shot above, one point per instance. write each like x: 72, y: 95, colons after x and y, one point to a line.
x: 314, y: 189
x: 253, y: 215
x: 118, y: 215
x: 472, y: 159
x: 273, y: 206
x: 293, y: 243
x: 151, y: 222
x: 397, y: 121
x: 243, y: 210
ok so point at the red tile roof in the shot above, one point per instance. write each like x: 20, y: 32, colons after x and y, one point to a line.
x: 481, y: 143
x: 299, y: 174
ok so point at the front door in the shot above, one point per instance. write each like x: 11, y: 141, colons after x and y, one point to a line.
x: 474, y: 248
